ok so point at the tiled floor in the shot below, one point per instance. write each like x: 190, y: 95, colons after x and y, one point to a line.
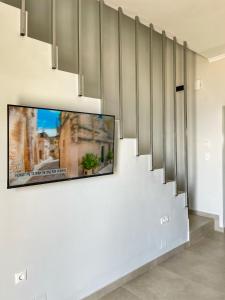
x: 197, y: 222
x: 195, y: 274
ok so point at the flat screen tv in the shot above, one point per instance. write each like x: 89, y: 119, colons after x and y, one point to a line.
x: 49, y: 145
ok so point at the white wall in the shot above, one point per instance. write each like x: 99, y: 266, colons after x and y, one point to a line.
x: 74, y: 237
x: 209, y: 138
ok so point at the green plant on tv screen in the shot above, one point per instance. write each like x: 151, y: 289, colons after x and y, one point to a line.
x: 90, y: 161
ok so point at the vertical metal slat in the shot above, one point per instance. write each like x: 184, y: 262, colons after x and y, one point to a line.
x: 23, y: 18
x: 101, y: 20
x: 175, y: 109
x: 164, y: 103
x: 54, y: 47
x: 137, y: 22
x: 80, y: 65
x: 120, y: 22
x: 151, y: 31
x: 186, y: 124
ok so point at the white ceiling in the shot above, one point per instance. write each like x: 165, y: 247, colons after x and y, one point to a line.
x: 200, y: 22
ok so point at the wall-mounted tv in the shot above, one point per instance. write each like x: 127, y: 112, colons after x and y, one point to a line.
x: 48, y: 145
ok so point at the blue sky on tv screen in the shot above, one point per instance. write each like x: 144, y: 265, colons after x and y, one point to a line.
x: 48, y: 121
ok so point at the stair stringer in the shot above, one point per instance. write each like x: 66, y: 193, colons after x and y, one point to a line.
x: 144, y: 161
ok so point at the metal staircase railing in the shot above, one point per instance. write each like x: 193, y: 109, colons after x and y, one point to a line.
x: 175, y: 109
x: 128, y: 77
x: 164, y: 112
x: 137, y: 85
x: 101, y: 51
x: 91, y: 59
x: 40, y: 20
x: 23, y: 19
x: 110, y: 67
x: 169, y: 112
x: 151, y: 123
x: 109, y: 49
x: 185, y: 48
x: 66, y: 18
x: 158, y: 123
x: 181, y: 108
x: 120, y: 73
x: 54, y: 47
x: 79, y: 48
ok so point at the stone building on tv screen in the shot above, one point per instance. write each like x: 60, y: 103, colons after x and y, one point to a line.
x: 23, y: 151
x: 81, y: 134
x: 27, y: 147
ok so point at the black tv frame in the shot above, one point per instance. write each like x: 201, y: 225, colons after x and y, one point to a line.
x: 59, y: 180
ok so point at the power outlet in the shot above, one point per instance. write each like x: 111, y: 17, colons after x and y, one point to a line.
x: 164, y: 220
x: 20, y: 277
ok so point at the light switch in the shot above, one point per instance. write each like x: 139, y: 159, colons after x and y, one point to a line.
x: 198, y: 84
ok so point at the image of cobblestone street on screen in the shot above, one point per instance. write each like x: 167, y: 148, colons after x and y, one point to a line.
x: 48, y: 145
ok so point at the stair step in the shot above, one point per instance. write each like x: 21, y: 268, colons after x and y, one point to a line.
x: 159, y: 169
x: 180, y: 192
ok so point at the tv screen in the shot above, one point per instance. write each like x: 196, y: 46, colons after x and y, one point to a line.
x: 48, y: 145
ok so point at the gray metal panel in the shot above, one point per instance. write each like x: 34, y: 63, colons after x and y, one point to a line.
x: 151, y: 32
x: 175, y: 109
x: 191, y: 78
x: 120, y: 39
x: 101, y: 36
x: 39, y: 20
x: 180, y: 144
x: 169, y: 112
x: 23, y: 18
x: 111, y: 61
x: 186, y: 123
x: 144, y: 90
x: 91, y: 48
x: 180, y: 65
x: 79, y: 49
x: 137, y: 88
x: 67, y: 35
x: 164, y: 106
x: 16, y: 3
x: 157, y: 102
x: 180, y: 122
x: 129, y: 77
x: 54, y: 47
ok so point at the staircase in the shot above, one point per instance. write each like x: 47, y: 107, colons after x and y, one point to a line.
x: 141, y: 76
x: 132, y: 211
